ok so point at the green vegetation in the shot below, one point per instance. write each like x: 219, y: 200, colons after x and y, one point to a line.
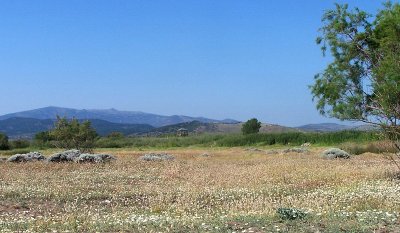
x: 357, y: 139
x: 73, y: 135
x: 4, y: 145
x: 251, y: 126
x: 362, y: 81
x: 232, y: 140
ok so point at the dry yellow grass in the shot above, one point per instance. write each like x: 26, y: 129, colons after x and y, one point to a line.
x: 232, y: 190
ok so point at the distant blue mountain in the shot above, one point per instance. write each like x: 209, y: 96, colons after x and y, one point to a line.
x: 18, y: 127
x: 332, y: 127
x: 110, y: 115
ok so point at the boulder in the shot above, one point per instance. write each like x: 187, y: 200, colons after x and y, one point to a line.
x: 156, y: 157
x: 335, y: 153
x: 29, y: 157
x: 66, y: 156
x: 94, y: 158
x: 296, y: 150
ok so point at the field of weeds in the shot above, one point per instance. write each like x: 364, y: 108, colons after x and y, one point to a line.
x: 233, y: 190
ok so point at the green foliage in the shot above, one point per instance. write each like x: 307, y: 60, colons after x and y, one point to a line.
x: 290, y: 213
x: 4, y: 145
x: 232, y: 140
x: 70, y: 134
x: 371, y: 147
x: 363, y: 81
x: 20, y: 144
x: 251, y: 126
x: 115, y: 135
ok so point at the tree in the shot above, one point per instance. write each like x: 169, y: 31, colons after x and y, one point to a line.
x: 4, y: 145
x: 251, y: 126
x: 362, y: 83
x: 70, y: 134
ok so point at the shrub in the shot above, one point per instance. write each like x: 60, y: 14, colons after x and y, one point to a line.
x: 251, y: 126
x: 4, y: 145
x: 372, y: 147
x: 73, y: 135
x: 290, y: 213
x: 20, y: 144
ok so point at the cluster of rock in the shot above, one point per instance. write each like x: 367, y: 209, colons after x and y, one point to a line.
x: 66, y: 156
x: 335, y: 153
x: 296, y: 150
x: 156, y: 157
x: 29, y: 157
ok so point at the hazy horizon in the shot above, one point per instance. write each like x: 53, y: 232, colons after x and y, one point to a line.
x: 225, y: 59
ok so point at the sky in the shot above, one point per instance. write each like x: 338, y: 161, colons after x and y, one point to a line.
x: 217, y: 59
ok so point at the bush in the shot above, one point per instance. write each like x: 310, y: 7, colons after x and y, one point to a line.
x: 251, y: 126
x: 4, y: 145
x: 73, y: 135
x: 372, y: 147
x: 290, y: 213
x: 20, y: 144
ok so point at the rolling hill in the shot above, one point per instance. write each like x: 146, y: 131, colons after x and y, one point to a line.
x: 18, y: 127
x: 200, y: 127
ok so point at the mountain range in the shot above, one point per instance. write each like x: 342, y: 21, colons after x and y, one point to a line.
x: 27, y: 123
x: 111, y: 115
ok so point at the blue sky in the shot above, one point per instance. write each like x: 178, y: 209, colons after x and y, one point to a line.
x: 217, y: 59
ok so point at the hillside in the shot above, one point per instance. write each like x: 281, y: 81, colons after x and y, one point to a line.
x: 27, y: 127
x: 324, y: 127
x: 110, y: 115
x: 200, y: 127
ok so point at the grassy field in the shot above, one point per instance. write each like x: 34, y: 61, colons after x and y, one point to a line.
x: 233, y: 190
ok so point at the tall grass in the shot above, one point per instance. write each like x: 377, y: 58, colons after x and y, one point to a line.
x: 232, y: 140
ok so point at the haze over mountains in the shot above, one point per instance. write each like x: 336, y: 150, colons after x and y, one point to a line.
x: 27, y: 123
x: 111, y: 115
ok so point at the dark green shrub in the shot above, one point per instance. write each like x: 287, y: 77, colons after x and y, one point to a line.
x: 20, y: 144
x: 251, y: 126
x: 290, y: 213
x: 4, y: 145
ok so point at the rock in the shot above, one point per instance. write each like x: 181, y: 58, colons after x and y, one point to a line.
x: 94, y: 158
x: 156, y: 157
x: 29, y: 157
x: 272, y: 152
x: 307, y: 144
x: 66, y: 156
x: 335, y: 153
x: 204, y: 155
x: 254, y: 150
x: 296, y: 150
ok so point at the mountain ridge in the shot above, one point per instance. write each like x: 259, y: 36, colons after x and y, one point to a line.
x: 18, y: 127
x: 111, y: 115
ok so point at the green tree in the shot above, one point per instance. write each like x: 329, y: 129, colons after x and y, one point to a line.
x: 4, y: 145
x: 71, y: 134
x: 362, y: 83
x: 251, y: 126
